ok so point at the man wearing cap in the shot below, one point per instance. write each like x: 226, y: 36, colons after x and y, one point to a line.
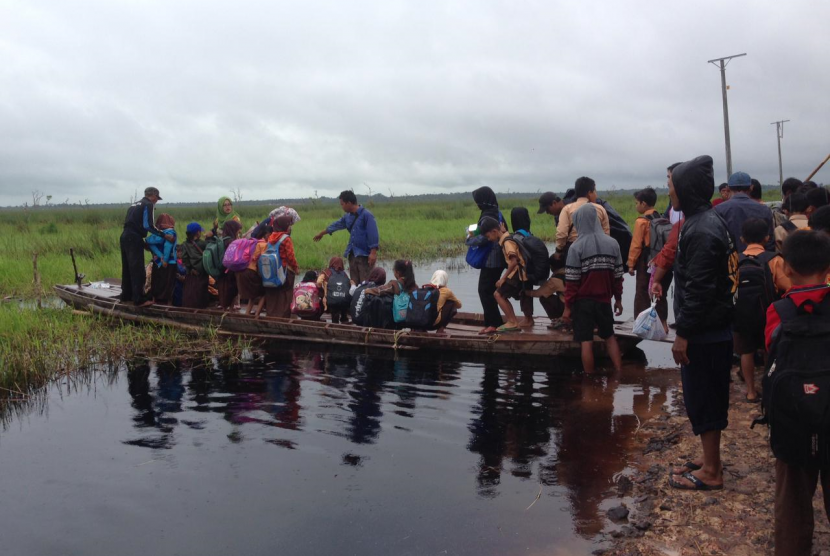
x: 740, y: 208
x: 139, y: 221
x: 550, y: 203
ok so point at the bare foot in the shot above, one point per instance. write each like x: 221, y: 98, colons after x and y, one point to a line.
x: 488, y: 330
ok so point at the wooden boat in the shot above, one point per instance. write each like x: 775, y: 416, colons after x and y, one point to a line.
x: 462, y: 335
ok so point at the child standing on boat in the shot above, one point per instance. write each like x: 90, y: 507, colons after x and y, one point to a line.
x: 336, y: 285
x: 278, y: 300
x: 163, y: 248
x: 593, y: 275
x: 195, y: 294
x: 514, y: 280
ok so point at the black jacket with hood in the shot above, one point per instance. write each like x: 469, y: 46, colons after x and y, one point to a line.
x: 706, y: 261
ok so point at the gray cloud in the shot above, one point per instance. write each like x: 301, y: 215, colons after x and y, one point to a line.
x: 98, y: 99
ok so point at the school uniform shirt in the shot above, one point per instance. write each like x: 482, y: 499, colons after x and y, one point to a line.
x: 287, y: 256
x: 510, y: 250
x: 260, y: 248
x: 800, y: 221
x: 776, y: 267
x: 566, y: 231
x: 800, y: 295
x: 445, y: 294
x: 642, y: 237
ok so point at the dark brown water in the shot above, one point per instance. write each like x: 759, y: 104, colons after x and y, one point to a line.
x: 309, y: 452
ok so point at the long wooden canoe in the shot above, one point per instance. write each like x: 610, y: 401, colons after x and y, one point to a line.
x: 462, y: 335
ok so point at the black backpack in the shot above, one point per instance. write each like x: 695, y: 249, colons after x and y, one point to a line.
x: 360, y: 304
x: 756, y: 292
x: 423, y: 308
x: 536, y: 256
x: 379, y: 311
x: 337, y: 290
x: 796, y: 386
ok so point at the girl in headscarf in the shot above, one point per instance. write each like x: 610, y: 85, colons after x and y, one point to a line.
x: 487, y: 203
x: 448, y: 304
x: 336, y: 304
x: 278, y: 300
x: 266, y: 227
x: 163, y: 274
x: 226, y: 283
x: 593, y: 275
x: 224, y: 213
x: 195, y: 294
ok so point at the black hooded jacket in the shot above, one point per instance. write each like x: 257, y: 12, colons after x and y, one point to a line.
x: 485, y: 199
x: 706, y: 261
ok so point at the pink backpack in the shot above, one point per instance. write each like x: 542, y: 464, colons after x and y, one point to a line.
x: 306, y: 300
x: 238, y: 254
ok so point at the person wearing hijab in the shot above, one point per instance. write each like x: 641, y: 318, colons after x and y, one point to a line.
x: 195, y: 292
x: 705, y: 285
x: 226, y: 283
x: 224, y: 213
x: 163, y: 248
x: 278, y: 300
x: 448, y: 304
x: 336, y: 268
x: 593, y: 275
x: 487, y: 203
x: 266, y: 227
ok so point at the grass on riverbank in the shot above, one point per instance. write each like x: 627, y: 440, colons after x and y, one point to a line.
x: 416, y: 230
x: 38, y: 345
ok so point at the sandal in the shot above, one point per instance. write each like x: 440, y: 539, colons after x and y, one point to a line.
x: 505, y: 329
x: 756, y: 399
x: 698, y: 484
x: 689, y: 466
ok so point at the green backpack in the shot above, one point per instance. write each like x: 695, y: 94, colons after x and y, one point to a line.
x: 212, y: 257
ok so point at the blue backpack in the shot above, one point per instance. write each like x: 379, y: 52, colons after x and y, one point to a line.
x: 477, y: 254
x: 270, y: 266
x: 400, y: 304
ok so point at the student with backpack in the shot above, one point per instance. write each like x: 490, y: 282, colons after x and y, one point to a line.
x: 336, y: 287
x: 796, y: 390
x: 279, y: 259
x: 536, y: 259
x: 306, y: 302
x: 761, y: 281
x: 651, y: 232
x: 195, y: 293
x: 163, y: 248
x: 514, y: 279
x: 212, y: 260
x: 248, y: 280
x: 796, y: 209
x: 399, y: 289
x: 448, y: 304
x: 359, y: 307
x: 492, y: 259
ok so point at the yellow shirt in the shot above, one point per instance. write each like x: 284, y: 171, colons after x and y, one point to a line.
x: 642, y: 238
x: 566, y: 231
x: 776, y: 267
x: 445, y: 294
x: 511, y: 250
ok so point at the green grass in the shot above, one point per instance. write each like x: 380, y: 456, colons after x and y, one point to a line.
x: 38, y: 345
x: 408, y: 229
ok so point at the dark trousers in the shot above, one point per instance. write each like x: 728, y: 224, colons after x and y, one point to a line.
x: 706, y: 385
x: 642, y: 297
x: 487, y: 279
x: 794, y: 489
x: 448, y: 311
x: 553, y: 306
x: 278, y: 300
x: 358, y: 268
x: 133, y: 273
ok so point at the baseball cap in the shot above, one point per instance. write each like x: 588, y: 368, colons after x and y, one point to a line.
x: 152, y: 191
x: 546, y: 200
x: 739, y: 179
x: 194, y: 227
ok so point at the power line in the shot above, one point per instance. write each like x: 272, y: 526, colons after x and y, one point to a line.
x: 779, y: 132
x: 722, y: 63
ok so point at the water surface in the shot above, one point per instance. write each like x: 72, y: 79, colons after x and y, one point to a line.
x: 316, y: 452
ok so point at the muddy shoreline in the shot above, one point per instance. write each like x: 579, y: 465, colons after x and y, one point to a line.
x: 737, y: 520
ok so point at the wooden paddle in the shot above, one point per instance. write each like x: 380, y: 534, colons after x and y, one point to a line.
x: 818, y: 168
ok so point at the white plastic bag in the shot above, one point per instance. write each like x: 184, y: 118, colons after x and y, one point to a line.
x: 648, y: 325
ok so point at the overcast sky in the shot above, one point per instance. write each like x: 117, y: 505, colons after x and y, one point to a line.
x: 101, y: 98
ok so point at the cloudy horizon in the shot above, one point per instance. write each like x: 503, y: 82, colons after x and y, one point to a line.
x: 282, y: 100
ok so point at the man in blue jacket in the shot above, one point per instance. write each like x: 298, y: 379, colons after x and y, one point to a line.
x: 740, y: 208
x: 362, y: 250
x: 139, y: 221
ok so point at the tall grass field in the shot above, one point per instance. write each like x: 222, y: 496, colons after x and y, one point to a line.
x: 414, y: 230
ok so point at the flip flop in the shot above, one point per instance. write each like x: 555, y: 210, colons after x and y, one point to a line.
x: 698, y: 484
x: 756, y: 400
x: 504, y: 328
x: 690, y: 465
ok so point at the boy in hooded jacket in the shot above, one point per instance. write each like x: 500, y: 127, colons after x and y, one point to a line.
x: 705, y: 270
x: 593, y: 275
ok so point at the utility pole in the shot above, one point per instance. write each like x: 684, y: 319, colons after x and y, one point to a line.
x: 779, y: 128
x: 722, y: 63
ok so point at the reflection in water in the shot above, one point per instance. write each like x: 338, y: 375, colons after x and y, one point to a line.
x: 552, y: 426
